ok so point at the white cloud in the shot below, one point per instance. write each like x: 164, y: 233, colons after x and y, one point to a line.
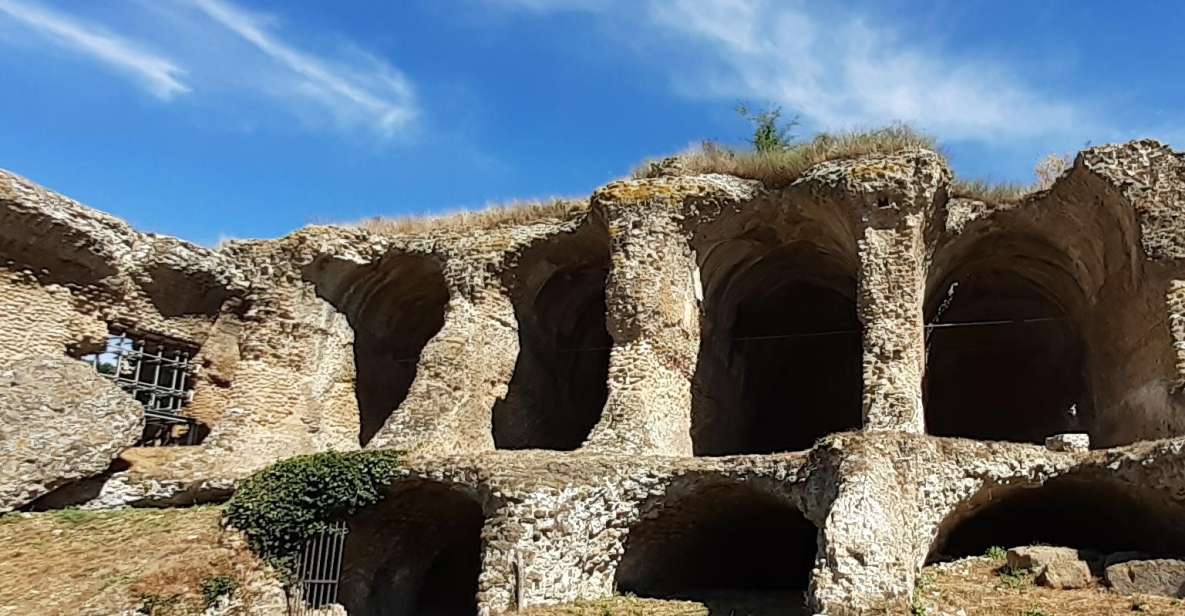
x: 159, y: 75
x: 837, y: 70
x: 363, y: 90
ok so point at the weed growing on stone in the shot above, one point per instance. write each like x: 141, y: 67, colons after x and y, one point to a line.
x: 217, y: 587
x: 996, y: 553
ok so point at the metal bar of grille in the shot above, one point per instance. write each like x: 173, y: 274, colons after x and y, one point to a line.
x: 318, y: 571
x: 157, y: 377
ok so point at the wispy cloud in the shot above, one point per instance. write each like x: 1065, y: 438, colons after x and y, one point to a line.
x: 159, y: 75
x: 836, y: 69
x: 234, y: 60
x: 367, y: 90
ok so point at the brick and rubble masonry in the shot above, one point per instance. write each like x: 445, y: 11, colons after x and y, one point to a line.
x: 276, y: 369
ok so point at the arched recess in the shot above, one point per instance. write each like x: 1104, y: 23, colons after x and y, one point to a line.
x: 560, y: 381
x: 1006, y: 354
x: 1098, y: 515
x: 417, y: 553
x: 394, y: 307
x: 781, y: 354
x: 729, y: 545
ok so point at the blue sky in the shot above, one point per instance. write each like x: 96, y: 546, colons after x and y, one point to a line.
x: 249, y: 118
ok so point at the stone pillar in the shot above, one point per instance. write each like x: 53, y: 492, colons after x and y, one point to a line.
x: 462, y: 371
x: 891, y: 299
x: 868, y: 560
x: 653, y: 319
x: 551, y: 545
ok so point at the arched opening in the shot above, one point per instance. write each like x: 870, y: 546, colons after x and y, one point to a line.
x: 730, y: 546
x: 1005, y: 358
x: 560, y: 381
x: 417, y: 553
x: 394, y: 307
x: 781, y: 354
x: 1098, y: 517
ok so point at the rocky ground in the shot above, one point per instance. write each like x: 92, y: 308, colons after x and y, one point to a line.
x: 157, y: 562
x: 985, y: 586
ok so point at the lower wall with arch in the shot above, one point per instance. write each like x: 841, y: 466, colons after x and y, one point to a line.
x: 841, y: 528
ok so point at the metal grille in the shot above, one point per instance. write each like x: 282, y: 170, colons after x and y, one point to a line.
x: 158, y: 374
x: 318, y: 570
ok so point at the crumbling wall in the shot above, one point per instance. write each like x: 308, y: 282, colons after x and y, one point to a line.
x: 448, y: 345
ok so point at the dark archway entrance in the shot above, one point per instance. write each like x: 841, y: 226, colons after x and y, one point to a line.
x: 418, y: 553
x: 1099, y: 516
x: 780, y: 353
x: 728, y: 545
x: 1005, y: 358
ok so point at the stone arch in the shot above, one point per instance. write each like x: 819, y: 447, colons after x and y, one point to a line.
x: 395, y: 306
x: 728, y: 544
x: 1096, y: 515
x: 416, y: 553
x: 560, y: 381
x: 1007, y: 354
x: 781, y: 355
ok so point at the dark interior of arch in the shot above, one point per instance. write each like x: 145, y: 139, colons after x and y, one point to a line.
x: 721, y: 543
x: 1020, y: 381
x: 418, y: 553
x: 1102, y: 516
x: 781, y: 355
x: 560, y: 381
x: 394, y: 307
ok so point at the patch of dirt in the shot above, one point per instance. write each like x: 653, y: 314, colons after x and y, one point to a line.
x: 107, y: 562
x: 978, y: 587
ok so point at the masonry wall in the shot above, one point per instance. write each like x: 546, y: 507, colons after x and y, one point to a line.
x: 453, y: 346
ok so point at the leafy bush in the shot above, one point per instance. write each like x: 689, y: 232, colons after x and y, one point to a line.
x: 769, y: 133
x: 216, y: 587
x: 996, y: 553
x: 280, y: 507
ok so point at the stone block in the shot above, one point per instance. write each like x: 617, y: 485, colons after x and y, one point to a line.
x: 1073, y: 441
x: 1065, y: 574
x: 1161, y: 576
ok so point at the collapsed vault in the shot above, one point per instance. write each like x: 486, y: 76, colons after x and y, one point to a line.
x: 560, y: 380
x: 394, y: 307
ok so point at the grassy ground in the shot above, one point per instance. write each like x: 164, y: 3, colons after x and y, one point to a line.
x: 979, y: 587
x: 90, y: 563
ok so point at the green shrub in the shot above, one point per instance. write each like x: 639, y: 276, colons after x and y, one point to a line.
x: 216, y: 587
x: 996, y: 553
x: 283, y: 505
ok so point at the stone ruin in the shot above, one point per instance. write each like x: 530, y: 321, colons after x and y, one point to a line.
x: 696, y: 382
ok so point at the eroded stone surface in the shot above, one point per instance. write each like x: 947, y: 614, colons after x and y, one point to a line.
x: 1148, y: 577
x: 59, y: 422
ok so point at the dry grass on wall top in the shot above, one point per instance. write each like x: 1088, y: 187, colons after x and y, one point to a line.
x: 779, y: 168
x: 494, y: 216
x: 157, y: 561
x: 775, y: 169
